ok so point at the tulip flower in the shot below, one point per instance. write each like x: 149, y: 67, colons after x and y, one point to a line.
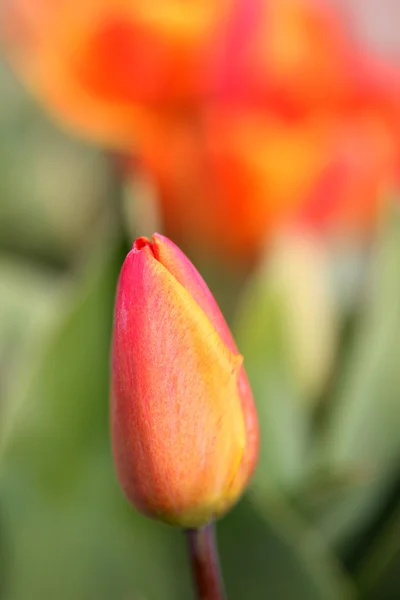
x: 231, y: 182
x: 289, y: 53
x: 303, y: 125
x: 184, y: 427
x: 245, y: 115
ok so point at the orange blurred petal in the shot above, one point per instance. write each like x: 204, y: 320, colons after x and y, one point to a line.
x: 102, y: 66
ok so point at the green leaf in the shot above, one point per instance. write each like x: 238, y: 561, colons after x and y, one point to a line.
x: 293, y: 561
x: 378, y: 576
x: 27, y: 301
x: 267, y: 551
x: 283, y: 415
x: 52, y: 187
x: 361, y: 436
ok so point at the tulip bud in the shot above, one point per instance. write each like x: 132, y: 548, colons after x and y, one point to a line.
x: 184, y: 427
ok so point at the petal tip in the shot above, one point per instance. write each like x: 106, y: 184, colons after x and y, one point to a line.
x: 140, y: 243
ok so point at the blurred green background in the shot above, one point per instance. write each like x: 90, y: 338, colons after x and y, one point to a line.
x: 322, y: 517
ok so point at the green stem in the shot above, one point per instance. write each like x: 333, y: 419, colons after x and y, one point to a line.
x: 204, y: 560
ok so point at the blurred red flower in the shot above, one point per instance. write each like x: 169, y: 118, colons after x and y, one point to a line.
x: 245, y: 114
x: 301, y: 124
x: 102, y: 65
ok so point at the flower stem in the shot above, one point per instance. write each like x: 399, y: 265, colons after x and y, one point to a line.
x: 204, y: 559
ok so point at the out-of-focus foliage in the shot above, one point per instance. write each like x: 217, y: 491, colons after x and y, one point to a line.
x: 339, y: 467
x: 317, y: 318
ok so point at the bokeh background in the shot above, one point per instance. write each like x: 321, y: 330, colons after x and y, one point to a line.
x: 263, y: 136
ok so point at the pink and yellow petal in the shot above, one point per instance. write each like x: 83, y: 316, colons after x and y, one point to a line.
x: 176, y: 390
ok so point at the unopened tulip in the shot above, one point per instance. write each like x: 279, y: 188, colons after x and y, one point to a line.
x: 184, y: 427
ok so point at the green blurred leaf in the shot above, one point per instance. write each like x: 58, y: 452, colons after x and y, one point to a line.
x: 297, y: 563
x: 268, y: 552
x: 68, y: 532
x: 27, y: 301
x: 52, y: 187
x: 361, y: 436
x: 283, y: 416
x: 378, y: 576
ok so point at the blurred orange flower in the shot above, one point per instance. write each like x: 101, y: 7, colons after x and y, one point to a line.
x: 302, y: 125
x: 102, y: 65
x: 245, y: 114
x: 230, y: 180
